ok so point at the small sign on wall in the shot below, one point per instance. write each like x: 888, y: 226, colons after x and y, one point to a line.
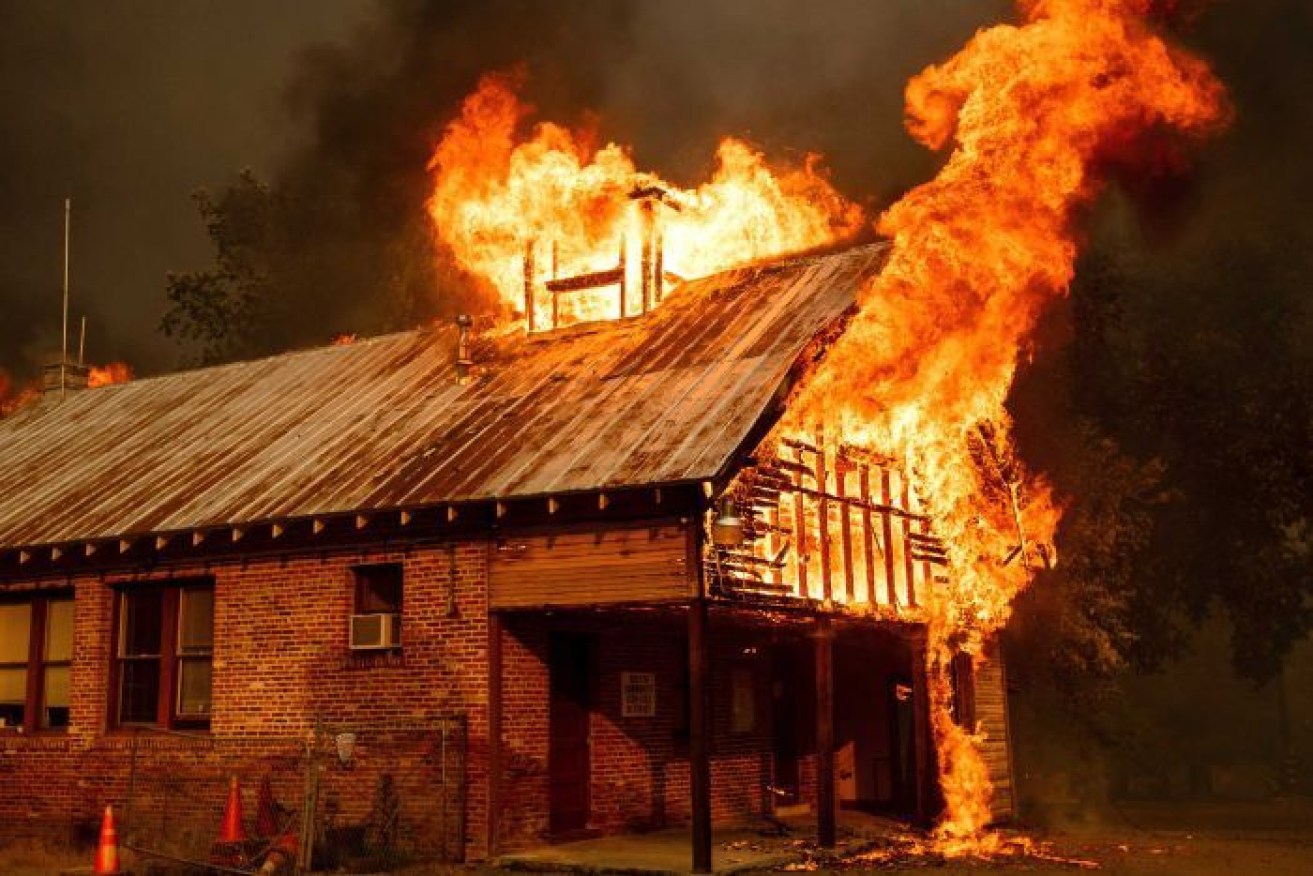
x: 638, y: 694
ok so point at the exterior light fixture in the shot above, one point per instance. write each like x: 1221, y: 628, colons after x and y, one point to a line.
x: 727, y: 530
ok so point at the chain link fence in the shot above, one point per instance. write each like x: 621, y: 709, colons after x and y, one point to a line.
x: 362, y: 798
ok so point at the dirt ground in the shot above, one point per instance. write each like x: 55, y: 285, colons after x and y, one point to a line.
x: 1198, y: 839
x: 1161, y: 839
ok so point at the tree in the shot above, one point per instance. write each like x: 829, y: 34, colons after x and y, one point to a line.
x: 226, y: 310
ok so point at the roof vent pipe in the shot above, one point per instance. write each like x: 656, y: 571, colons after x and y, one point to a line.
x: 463, y: 360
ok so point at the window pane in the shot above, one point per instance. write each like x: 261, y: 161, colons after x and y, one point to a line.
x: 143, y: 613
x: 13, y: 697
x: 59, y: 630
x: 55, y: 713
x: 139, y: 691
x: 196, y: 620
x: 194, y: 676
x: 378, y: 589
x: 15, y: 630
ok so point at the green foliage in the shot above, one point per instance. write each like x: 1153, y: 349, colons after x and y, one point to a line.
x: 222, y: 311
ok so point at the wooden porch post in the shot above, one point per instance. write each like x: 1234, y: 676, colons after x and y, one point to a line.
x: 825, y: 829
x: 924, y: 747
x: 699, y: 699
x: 699, y: 748
x: 494, y: 730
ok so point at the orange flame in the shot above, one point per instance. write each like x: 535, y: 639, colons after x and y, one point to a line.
x: 1033, y: 113
x: 497, y: 193
x: 108, y: 375
x: 12, y: 397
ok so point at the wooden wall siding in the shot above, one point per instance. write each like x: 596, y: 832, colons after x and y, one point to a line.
x: 992, y: 721
x: 606, y: 564
x: 829, y: 524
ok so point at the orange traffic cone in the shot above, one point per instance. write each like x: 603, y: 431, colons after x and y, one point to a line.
x: 107, y: 850
x: 231, y: 830
x: 229, y: 850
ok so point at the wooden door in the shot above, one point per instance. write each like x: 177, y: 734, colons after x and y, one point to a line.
x: 902, y: 735
x: 568, y: 761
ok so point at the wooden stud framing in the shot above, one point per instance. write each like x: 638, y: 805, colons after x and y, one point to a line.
x: 800, y: 531
x: 823, y: 523
x: 908, y: 562
x: 887, y: 525
x: 868, y: 533
x: 845, y: 524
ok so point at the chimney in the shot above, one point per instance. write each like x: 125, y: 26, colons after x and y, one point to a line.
x: 59, y: 378
x: 463, y: 360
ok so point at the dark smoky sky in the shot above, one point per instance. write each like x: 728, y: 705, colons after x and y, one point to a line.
x: 129, y: 107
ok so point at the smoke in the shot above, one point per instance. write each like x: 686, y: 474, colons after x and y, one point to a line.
x: 339, y: 109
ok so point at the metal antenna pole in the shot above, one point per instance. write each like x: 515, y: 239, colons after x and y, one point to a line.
x: 63, y: 361
x: 82, y: 342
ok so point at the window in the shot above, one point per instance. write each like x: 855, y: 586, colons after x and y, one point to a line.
x: 376, y: 616
x: 36, y: 650
x: 165, y: 655
x: 742, y: 699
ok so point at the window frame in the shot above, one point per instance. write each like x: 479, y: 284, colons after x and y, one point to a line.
x: 360, y: 574
x: 170, y: 659
x: 36, y: 664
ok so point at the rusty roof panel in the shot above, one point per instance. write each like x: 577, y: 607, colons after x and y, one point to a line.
x: 383, y: 424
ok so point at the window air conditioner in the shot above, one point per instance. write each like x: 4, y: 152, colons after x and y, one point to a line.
x: 375, y: 631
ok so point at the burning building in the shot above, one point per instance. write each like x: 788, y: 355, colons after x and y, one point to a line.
x: 678, y: 550
x: 572, y: 538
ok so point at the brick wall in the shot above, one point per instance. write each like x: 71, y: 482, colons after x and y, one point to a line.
x: 639, y: 766
x: 281, y: 662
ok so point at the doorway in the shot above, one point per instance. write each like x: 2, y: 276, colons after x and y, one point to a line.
x: 569, y: 767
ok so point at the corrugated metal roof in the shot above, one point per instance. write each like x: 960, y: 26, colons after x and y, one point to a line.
x: 383, y: 423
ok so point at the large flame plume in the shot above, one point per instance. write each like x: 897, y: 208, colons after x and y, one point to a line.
x: 1034, y: 114
x: 498, y: 191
